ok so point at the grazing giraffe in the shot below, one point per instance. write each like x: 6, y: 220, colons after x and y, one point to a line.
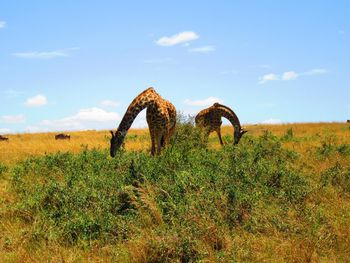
x: 62, y: 136
x: 210, y: 119
x: 161, y: 119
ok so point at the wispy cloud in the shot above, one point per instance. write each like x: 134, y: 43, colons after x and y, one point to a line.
x: 11, y: 93
x: 268, y: 77
x: 272, y: 121
x: 109, y: 103
x: 13, y: 119
x: 32, y: 129
x: 36, y: 101
x: 2, y: 24
x: 83, y: 119
x: 203, y: 103
x: 315, y: 71
x: 5, y: 130
x: 179, y: 38
x: 45, y: 54
x: 291, y: 75
x: 229, y: 72
x: 204, y: 49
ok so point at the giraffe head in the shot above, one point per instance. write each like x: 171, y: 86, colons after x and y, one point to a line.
x: 238, y: 134
x: 116, y: 142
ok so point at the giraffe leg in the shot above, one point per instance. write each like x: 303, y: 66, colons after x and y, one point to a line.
x: 219, y: 135
x: 153, y: 139
x: 158, y: 140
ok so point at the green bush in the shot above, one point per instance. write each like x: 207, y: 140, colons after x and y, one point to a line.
x: 337, y: 176
x: 89, y: 196
x: 3, y: 169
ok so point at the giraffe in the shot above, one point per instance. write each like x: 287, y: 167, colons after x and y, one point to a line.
x: 210, y: 119
x: 161, y: 119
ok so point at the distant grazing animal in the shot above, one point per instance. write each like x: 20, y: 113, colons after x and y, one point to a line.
x: 3, y: 138
x: 210, y: 119
x: 161, y: 119
x: 62, y: 136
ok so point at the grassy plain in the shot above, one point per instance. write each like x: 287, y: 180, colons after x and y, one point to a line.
x: 281, y: 195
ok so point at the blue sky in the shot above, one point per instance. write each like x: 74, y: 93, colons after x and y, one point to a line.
x: 71, y: 65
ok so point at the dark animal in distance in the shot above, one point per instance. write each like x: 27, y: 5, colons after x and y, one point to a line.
x: 3, y: 138
x: 62, y: 136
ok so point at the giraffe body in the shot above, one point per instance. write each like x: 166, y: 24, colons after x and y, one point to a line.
x: 210, y: 120
x: 161, y: 119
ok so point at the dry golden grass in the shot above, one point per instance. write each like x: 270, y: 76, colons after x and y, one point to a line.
x: 21, y: 146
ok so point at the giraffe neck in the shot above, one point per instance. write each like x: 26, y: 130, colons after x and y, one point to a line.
x: 142, y: 101
x: 229, y: 114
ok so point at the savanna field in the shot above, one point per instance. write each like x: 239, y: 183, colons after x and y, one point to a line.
x: 281, y: 195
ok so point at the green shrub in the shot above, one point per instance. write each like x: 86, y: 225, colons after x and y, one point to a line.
x: 188, y: 189
x: 3, y: 169
x: 289, y: 135
x: 337, y: 176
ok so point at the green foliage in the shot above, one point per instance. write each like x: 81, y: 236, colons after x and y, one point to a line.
x: 289, y: 135
x: 328, y: 146
x: 337, y: 176
x: 344, y: 149
x: 185, y: 191
x: 3, y: 169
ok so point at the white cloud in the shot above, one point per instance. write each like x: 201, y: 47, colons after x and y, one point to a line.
x: 84, y: 119
x: 33, y: 129
x: 268, y: 77
x: 37, y: 101
x: 13, y: 118
x: 272, y: 121
x: 206, y: 102
x: 289, y: 75
x: 177, y: 38
x: 45, y: 54
x: 109, y: 103
x: 229, y: 72
x: 2, y: 24
x: 5, y: 131
x: 204, y: 49
x: 316, y: 71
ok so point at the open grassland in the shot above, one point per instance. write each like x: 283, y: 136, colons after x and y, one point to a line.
x: 281, y: 195
x: 22, y: 146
